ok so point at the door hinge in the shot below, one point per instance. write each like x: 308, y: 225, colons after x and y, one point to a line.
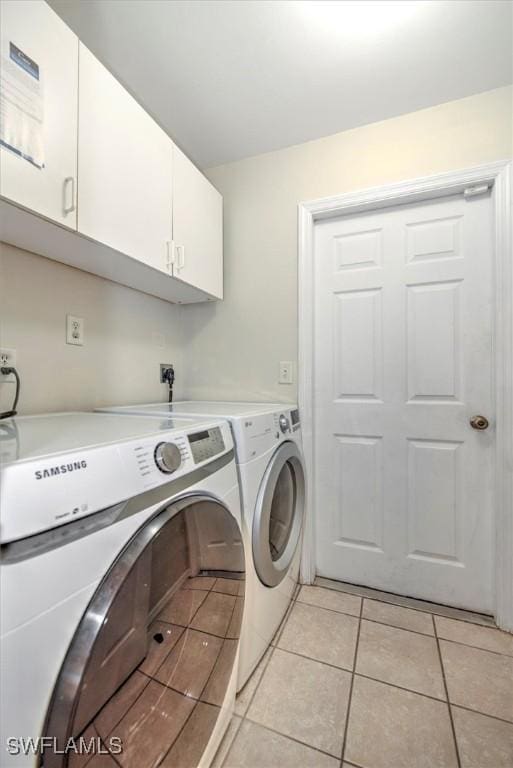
x: 479, y: 189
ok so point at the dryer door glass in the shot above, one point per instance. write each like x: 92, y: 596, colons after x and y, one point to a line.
x: 282, y: 511
x: 279, y: 515
x: 153, y: 657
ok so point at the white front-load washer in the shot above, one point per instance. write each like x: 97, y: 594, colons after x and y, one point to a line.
x: 272, y: 480
x: 122, y: 590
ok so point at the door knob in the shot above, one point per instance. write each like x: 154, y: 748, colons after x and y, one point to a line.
x: 479, y: 422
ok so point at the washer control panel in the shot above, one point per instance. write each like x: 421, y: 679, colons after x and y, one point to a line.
x: 206, y: 444
x: 168, y: 457
x: 118, y: 458
x: 284, y: 423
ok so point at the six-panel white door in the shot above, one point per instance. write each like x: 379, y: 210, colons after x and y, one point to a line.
x: 39, y: 74
x: 403, y: 360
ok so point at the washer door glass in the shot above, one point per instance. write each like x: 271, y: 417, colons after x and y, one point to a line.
x: 278, y: 515
x: 151, y: 661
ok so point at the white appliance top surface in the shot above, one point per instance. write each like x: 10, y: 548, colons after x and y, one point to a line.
x: 224, y: 410
x: 46, y: 435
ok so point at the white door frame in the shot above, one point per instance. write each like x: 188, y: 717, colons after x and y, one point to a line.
x: 500, y: 174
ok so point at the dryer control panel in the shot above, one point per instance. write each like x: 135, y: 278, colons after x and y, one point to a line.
x: 206, y: 444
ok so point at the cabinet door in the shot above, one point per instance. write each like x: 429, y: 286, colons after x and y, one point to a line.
x: 38, y: 110
x: 197, y: 228
x: 125, y: 168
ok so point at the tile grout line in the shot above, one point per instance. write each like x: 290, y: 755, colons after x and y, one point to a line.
x: 149, y: 679
x: 233, y: 713
x: 432, y: 698
x: 283, y: 623
x: 257, y: 686
x: 95, y: 754
x: 382, y: 623
x: 408, y: 629
x: 271, y: 650
x: 483, y: 714
x: 407, y: 690
x: 229, y: 749
x: 351, y: 686
x: 237, y: 640
x: 475, y: 647
x: 316, y: 661
x: 401, y: 688
x: 451, y: 719
x: 386, y: 682
x: 109, y: 733
x: 223, y: 639
x: 292, y: 738
x: 402, y: 601
x: 331, y: 610
x: 198, y: 700
x: 368, y: 677
x: 111, y: 755
x: 343, y: 759
x: 353, y: 674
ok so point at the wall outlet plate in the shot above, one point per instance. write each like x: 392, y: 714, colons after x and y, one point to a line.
x: 286, y: 372
x: 74, y: 330
x: 164, y: 367
x: 8, y: 357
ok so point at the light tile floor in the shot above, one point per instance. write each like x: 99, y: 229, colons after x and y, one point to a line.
x: 351, y: 680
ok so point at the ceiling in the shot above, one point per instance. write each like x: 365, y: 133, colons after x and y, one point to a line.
x: 228, y: 79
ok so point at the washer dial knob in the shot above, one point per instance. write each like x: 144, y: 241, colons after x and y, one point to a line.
x: 167, y: 457
x: 284, y: 423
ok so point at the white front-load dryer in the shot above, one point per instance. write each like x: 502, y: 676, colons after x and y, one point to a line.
x: 272, y: 480
x: 273, y: 485
x: 122, y: 590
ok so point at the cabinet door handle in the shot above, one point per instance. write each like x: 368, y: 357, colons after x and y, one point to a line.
x: 69, y: 181
x: 181, y: 256
x: 170, y: 260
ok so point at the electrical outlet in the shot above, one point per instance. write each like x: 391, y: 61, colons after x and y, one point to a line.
x: 8, y: 357
x: 164, y: 367
x: 286, y: 372
x: 74, y: 330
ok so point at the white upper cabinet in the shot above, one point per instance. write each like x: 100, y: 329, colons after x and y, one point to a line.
x: 197, y: 228
x: 38, y: 110
x: 124, y: 167
x: 77, y: 150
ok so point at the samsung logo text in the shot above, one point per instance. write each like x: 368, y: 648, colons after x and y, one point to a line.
x: 62, y: 469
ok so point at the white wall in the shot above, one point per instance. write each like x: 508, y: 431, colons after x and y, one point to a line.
x: 119, y: 362
x: 233, y: 348
x: 224, y: 349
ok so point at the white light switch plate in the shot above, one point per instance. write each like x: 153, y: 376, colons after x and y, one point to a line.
x: 74, y: 330
x: 286, y: 372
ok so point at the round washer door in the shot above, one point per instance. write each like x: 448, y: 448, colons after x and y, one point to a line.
x: 279, y: 515
x: 147, y: 637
